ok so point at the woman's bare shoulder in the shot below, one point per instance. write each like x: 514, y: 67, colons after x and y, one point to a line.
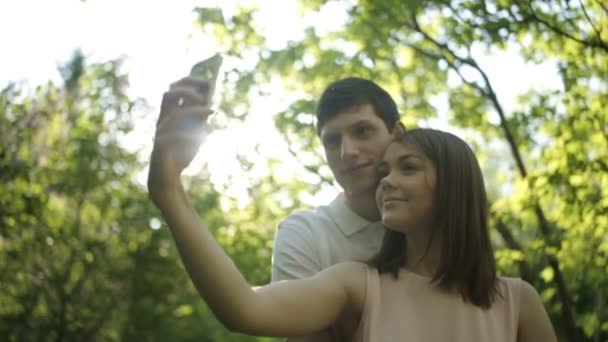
x: 349, y: 273
x: 349, y: 267
x: 353, y: 276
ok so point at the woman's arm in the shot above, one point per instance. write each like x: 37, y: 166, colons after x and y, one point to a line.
x: 281, y: 309
x: 287, y: 308
x: 534, y: 323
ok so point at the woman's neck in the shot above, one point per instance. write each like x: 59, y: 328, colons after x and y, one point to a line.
x: 422, y: 258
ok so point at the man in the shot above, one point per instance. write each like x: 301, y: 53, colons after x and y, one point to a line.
x: 355, y: 122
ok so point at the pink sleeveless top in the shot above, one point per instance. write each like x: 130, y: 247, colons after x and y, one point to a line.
x: 411, y: 309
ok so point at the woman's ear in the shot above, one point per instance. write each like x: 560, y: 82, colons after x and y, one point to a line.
x: 398, y: 130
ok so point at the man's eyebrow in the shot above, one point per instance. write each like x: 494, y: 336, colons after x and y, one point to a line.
x: 361, y: 122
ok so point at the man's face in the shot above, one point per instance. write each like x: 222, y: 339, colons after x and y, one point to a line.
x: 354, y: 143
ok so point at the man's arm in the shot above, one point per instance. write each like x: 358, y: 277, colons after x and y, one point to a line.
x: 295, y: 256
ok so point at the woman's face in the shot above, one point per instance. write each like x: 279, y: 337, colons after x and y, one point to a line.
x: 406, y: 194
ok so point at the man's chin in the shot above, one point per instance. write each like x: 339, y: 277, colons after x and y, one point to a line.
x: 360, y: 186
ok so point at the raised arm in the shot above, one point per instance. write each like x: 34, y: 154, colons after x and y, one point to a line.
x: 281, y: 309
x: 534, y: 323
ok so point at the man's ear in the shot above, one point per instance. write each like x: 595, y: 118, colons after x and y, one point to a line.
x: 398, y: 130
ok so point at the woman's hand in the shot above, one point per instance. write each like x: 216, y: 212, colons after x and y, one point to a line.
x: 179, y: 131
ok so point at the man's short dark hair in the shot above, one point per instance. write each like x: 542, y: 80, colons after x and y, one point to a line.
x: 347, y: 93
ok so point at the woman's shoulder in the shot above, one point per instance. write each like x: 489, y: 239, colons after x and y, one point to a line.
x: 518, y: 290
x: 353, y: 276
x: 517, y: 283
x: 533, y: 323
x: 350, y: 273
x: 510, y: 286
x: 509, y: 280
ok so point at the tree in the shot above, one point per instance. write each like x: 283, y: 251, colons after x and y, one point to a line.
x: 84, y: 254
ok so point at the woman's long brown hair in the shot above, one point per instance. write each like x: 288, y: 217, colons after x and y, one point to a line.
x: 466, y: 262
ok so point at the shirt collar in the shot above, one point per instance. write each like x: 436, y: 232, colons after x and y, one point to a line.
x: 346, y: 219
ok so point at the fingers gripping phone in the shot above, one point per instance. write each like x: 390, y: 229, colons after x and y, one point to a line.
x: 208, y: 70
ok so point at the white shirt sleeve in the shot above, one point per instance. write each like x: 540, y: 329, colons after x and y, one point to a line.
x: 294, y: 253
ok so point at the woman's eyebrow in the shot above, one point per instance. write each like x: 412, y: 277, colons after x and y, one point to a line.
x: 384, y: 163
x: 408, y: 156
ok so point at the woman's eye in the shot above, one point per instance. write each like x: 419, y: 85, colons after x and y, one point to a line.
x: 408, y: 167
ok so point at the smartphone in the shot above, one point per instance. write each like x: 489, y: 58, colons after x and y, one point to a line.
x: 208, y: 70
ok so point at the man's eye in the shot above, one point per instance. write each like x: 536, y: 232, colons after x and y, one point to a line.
x: 362, y: 131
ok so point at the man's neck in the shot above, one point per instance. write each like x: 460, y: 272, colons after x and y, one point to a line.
x: 363, y: 204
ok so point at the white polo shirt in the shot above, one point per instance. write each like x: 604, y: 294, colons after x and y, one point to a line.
x: 307, y: 242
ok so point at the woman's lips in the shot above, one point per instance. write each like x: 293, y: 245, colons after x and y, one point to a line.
x: 391, y: 200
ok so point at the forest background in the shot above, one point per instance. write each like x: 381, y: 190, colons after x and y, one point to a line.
x: 85, y: 256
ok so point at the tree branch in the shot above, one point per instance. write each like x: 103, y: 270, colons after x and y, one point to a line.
x: 511, y: 242
x: 602, y: 6
x: 597, y: 32
x: 486, y: 91
x: 588, y: 43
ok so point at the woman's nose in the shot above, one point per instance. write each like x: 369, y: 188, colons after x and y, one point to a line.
x: 386, y: 183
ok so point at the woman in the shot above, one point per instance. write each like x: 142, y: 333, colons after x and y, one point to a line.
x: 433, y: 280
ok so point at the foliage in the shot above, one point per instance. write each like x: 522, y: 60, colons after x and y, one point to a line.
x: 84, y: 254
x: 86, y: 257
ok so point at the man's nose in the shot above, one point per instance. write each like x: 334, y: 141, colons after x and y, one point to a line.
x: 348, y: 149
